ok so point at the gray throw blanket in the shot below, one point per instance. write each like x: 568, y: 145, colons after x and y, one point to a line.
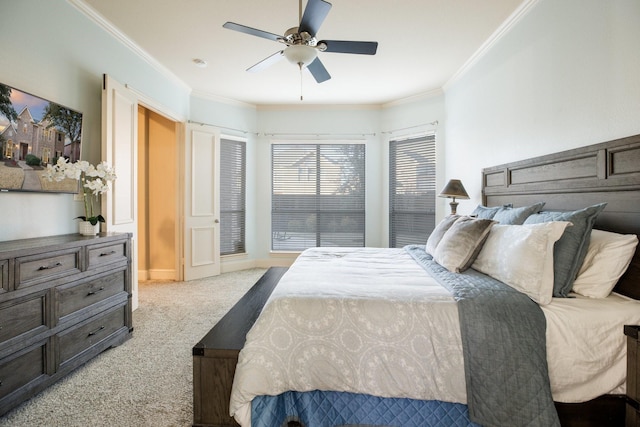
x: 504, y: 346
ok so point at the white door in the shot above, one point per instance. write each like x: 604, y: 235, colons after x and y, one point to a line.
x: 119, y: 149
x: 202, y: 210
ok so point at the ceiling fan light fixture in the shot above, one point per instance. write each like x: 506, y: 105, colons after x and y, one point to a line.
x: 300, y: 54
x: 302, y: 47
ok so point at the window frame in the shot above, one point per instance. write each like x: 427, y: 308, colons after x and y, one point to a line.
x: 243, y: 210
x: 421, y: 227
x: 318, y: 143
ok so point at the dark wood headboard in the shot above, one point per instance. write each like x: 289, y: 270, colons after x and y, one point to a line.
x: 574, y: 179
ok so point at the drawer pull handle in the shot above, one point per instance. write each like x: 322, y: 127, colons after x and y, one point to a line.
x: 95, y: 292
x: 49, y: 267
x: 92, y: 333
x: 107, y: 253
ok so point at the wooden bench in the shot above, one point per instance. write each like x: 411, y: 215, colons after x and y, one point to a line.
x: 216, y: 355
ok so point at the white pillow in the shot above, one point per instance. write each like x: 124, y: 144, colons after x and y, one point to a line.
x: 607, y: 259
x: 522, y: 257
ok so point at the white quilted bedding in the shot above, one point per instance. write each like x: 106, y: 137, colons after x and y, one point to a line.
x: 372, y: 321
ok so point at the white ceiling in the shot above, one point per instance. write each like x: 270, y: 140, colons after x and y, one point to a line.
x: 422, y: 44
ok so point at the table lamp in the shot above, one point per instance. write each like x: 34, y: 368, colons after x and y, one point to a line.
x: 453, y: 189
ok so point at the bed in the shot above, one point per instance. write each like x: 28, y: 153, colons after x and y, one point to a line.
x: 356, y: 354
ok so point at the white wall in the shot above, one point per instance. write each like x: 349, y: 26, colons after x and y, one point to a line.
x: 237, y: 120
x: 316, y: 123
x: 410, y: 117
x: 373, y: 124
x: 52, y: 50
x: 68, y: 69
x: 567, y: 75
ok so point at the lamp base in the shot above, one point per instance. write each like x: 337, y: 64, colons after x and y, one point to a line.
x: 454, y: 207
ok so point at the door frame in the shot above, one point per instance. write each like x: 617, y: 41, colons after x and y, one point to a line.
x: 180, y: 121
x: 143, y: 100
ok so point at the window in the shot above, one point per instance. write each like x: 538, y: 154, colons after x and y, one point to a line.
x: 233, y: 157
x: 46, y: 152
x: 318, y: 195
x: 8, y: 153
x: 412, y: 176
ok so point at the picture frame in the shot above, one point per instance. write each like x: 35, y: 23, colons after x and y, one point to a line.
x: 36, y: 132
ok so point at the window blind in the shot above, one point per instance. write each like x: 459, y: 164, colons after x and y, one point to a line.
x: 232, y: 196
x: 412, y: 179
x: 318, y: 195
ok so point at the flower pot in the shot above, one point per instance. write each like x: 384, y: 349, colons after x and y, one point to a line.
x: 87, y: 229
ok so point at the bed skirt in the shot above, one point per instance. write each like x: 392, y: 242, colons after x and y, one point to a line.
x: 331, y: 409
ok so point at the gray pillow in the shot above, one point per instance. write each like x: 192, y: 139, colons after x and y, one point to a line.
x: 570, y: 250
x: 438, y: 232
x: 485, y: 212
x: 516, y: 216
x: 462, y: 242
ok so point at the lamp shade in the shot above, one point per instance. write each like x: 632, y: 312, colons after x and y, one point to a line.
x: 454, y: 188
x: 300, y: 54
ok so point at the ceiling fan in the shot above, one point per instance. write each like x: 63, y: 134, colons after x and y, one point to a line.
x: 302, y: 46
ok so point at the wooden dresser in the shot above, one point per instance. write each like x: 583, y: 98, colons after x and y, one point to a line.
x: 63, y: 300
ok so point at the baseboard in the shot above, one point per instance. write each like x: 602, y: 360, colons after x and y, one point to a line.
x: 156, y: 274
x: 231, y: 265
x: 284, y: 261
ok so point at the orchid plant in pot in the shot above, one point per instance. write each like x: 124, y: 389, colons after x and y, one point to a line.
x: 94, y: 182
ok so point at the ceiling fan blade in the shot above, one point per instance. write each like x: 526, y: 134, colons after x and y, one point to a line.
x: 251, y: 31
x: 318, y: 71
x: 314, y: 14
x: 341, y: 46
x: 268, y: 61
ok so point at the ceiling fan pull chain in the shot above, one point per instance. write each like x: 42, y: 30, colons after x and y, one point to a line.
x: 301, y: 98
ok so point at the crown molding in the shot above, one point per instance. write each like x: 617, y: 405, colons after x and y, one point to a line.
x: 222, y: 99
x: 318, y: 107
x: 98, y: 19
x: 433, y: 93
x: 497, y: 35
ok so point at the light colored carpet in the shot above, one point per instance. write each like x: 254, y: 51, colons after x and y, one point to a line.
x: 147, y: 381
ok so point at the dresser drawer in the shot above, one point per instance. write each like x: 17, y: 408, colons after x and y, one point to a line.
x: 31, y: 270
x: 23, y: 315
x: 20, y: 369
x: 77, y: 339
x: 106, y: 254
x: 78, y: 295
